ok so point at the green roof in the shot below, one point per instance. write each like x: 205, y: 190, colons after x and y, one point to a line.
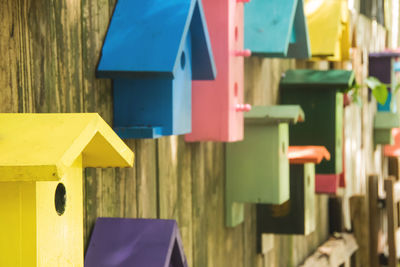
x: 274, y: 114
x: 324, y: 79
x: 386, y: 120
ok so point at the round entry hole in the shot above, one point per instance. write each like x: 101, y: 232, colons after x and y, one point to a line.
x: 60, y: 199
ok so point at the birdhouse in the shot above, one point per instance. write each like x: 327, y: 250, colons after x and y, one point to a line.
x: 319, y: 93
x: 329, y: 29
x: 297, y: 215
x: 381, y: 66
x: 384, y: 122
x: 119, y: 242
x: 257, y: 168
x: 41, y: 200
x: 152, y: 58
x: 276, y: 28
x: 217, y: 106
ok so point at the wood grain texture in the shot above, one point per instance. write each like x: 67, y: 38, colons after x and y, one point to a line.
x: 360, y: 226
x: 50, y: 49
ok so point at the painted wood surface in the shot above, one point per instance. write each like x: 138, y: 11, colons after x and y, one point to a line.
x: 135, y: 242
x: 42, y: 186
x: 218, y: 105
x: 262, y: 157
x: 277, y: 29
x: 51, y: 51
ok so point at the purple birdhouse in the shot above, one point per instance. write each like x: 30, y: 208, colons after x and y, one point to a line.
x: 119, y: 242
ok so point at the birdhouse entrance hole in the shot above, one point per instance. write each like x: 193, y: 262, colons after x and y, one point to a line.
x: 183, y: 60
x: 60, y: 199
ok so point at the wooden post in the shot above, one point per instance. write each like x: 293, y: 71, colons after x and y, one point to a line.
x: 334, y: 252
x: 392, y: 198
x: 360, y: 226
x: 373, y: 219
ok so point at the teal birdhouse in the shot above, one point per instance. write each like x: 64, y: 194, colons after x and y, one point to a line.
x: 276, y: 28
x: 383, y: 124
x: 297, y: 215
x: 257, y: 168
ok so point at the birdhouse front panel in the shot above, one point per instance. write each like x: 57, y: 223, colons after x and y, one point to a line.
x: 217, y: 106
x: 281, y: 33
x: 158, y: 107
x: 41, y: 184
x: 153, y: 58
x: 261, y: 158
x: 319, y: 94
x: 297, y: 215
x: 324, y: 124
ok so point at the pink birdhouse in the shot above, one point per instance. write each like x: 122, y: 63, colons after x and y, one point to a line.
x: 217, y: 106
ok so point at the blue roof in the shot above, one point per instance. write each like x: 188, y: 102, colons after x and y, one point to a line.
x: 276, y: 28
x: 146, y: 37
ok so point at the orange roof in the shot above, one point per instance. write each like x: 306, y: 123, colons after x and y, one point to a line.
x: 307, y: 154
x: 393, y: 150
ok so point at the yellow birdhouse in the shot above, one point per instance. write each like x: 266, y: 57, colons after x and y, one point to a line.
x: 41, y: 200
x: 329, y: 29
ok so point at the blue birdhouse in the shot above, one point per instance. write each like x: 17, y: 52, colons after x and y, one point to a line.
x: 276, y: 28
x: 153, y: 50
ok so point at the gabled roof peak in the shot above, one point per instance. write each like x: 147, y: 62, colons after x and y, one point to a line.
x: 146, y: 38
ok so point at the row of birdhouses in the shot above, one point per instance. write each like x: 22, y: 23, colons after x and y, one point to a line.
x: 164, y: 68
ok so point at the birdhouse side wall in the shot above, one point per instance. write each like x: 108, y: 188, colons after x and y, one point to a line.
x: 182, y: 91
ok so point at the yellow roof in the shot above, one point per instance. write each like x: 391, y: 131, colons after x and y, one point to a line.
x: 38, y: 147
x: 329, y: 29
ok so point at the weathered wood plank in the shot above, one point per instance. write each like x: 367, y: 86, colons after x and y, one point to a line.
x: 360, y: 226
x: 175, y: 187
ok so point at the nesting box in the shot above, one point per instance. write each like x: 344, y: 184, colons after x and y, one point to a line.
x: 119, y: 242
x: 381, y: 66
x: 217, y: 106
x: 257, y: 169
x: 320, y: 95
x: 384, y: 122
x: 152, y: 58
x: 41, y: 200
x: 329, y: 29
x: 276, y: 28
x: 297, y: 215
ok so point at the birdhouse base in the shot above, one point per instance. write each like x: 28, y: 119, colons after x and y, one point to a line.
x: 139, y: 132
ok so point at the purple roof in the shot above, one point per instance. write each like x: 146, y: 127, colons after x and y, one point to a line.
x: 119, y: 242
x: 385, y: 54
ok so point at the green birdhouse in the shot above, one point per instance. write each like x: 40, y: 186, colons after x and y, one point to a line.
x: 297, y: 215
x: 383, y: 123
x: 319, y: 93
x: 257, y: 169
